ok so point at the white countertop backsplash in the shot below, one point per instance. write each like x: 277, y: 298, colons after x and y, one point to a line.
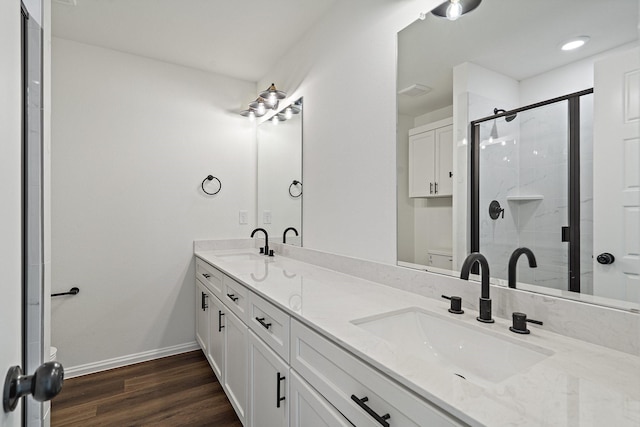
x: 580, y: 384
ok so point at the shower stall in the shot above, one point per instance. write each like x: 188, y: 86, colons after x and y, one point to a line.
x: 532, y: 186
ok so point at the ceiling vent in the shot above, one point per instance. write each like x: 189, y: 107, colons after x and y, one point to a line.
x: 414, y: 90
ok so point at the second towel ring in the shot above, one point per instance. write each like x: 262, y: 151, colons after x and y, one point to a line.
x: 211, y: 178
x: 295, y: 182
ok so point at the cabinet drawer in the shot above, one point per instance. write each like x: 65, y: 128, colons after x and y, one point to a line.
x: 210, y: 276
x: 341, y: 378
x: 269, y: 323
x: 235, y: 296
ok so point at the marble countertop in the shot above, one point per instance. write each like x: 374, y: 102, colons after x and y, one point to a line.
x: 578, y: 384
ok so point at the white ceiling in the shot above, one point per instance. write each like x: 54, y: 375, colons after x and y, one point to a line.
x: 237, y: 38
x: 517, y: 38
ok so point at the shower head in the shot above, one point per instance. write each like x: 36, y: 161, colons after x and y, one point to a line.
x: 508, y: 118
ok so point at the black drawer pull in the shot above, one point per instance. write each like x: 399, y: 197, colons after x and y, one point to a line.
x: 203, y: 301
x: 263, y: 323
x: 206, y: 275
x: 233, y: 297
x: 361, y: 403
x: 220, y: 325
x: 278, y: 398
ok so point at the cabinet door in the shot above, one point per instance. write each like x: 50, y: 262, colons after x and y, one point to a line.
x: 268, y: 387
x: 202, y: 316
x: 308, y: 409
x: 236, y: 346
x: 444, y: 163
x: 215, y: 352
x: 422, y: 164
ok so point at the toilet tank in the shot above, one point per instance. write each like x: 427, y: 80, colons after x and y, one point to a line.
x: 440, y: 258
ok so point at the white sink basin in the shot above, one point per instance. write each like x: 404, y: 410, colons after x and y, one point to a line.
x: 241, y: 257
x: 472, y: 352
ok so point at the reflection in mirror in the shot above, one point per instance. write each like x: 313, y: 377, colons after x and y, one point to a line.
x: 280, y: 174
x: 561, y: 177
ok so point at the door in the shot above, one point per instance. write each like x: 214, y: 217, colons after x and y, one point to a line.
x: 11, y: 196
x: 307, y: 408
x: 421, y: 164
x: 616, y: 160
x: 202, y: 316
x: 268, y: 387
x: 215, y: 353
x: 236, y: 364
x: 444, y: 165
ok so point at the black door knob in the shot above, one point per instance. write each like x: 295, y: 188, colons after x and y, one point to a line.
x: 44, y: 384
x: 605, y: 258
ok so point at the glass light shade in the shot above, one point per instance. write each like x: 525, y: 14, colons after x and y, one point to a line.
x: 454, y: 10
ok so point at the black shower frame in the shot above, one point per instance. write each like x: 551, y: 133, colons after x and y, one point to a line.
x: 574, y: 178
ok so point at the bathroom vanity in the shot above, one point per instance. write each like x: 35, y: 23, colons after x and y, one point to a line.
x: 296, y: 344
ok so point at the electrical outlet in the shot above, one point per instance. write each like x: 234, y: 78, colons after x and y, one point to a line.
x: 266, y: 217
x: 243, y: 217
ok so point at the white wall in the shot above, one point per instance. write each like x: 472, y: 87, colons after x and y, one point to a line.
x: 345, y: 68
x: 406, y: 209
x: 132, y: 140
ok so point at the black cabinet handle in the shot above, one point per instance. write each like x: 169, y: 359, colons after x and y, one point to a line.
x: 203, y: 301
x: 279, y: 398
x: 220, y: 326
x: 436, y: 186
x: 431, y: 188
x: 263, y: 323
x: 206, y: 275
x: 233, y: 297
x: 361, y: 403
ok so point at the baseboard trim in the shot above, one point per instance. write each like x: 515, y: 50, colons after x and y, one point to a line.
x: 130, y: 359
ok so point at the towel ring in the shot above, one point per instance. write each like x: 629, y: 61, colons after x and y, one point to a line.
x: 295, y: 182
x: 211, y: 178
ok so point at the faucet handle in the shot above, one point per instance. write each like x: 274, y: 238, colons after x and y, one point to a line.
x: 456, y: 304
x: 520, y: 323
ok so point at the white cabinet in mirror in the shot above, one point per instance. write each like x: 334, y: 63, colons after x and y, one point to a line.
x: 564, y: 171
x: 280, y: 190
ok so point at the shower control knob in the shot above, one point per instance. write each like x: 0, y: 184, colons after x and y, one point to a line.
x: 605, y: 258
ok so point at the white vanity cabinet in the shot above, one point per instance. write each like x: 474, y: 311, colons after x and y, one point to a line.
x: 363, y: 395
x: 268, y: 387
x: 431, y: 160
x: 278, y: 372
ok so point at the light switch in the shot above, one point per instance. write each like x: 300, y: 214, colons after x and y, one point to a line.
x: 266, y: 217
x: 243, y: 217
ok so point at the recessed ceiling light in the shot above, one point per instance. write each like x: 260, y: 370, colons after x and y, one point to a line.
x: 574, y: 43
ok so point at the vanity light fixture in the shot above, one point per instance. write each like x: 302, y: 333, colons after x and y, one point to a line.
x: 273, y: 96
x: 454, y: 9
x: 291, y: 110
x: 574, y: 43
x: 251, y: 113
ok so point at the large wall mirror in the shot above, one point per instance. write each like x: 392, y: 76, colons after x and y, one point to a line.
x: 279, y: 177
x: 508, y: 140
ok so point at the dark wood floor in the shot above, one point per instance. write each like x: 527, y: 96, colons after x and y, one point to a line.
x: 179, y: 390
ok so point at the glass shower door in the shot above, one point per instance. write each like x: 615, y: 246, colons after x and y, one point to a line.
x: 523, y: 192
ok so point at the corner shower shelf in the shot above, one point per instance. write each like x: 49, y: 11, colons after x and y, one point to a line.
x: 525, y: 198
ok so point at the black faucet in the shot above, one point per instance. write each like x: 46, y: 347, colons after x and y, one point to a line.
x: 284, y: 235
x: 266, y: 239
x: 514, y: 260
x: 485, y: 301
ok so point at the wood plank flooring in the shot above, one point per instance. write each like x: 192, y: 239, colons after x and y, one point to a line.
x: 178, y: 390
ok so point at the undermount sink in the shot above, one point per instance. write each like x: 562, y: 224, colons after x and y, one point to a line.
x: 241, y: 257
x: 468, y: 351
